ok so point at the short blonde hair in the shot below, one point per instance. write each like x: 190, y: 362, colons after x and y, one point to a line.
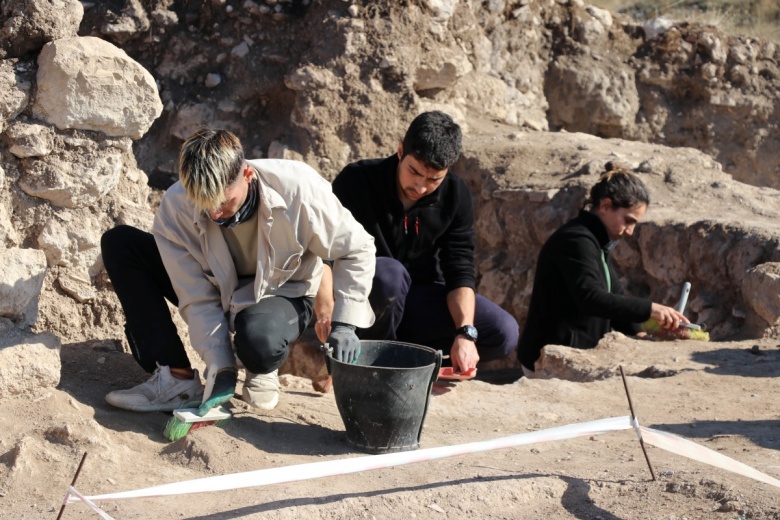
x: 209, y: 162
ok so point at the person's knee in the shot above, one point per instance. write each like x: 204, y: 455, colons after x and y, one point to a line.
x: 509, y: 332
x: 502, y: 336
x: 391, y: 281
x: 260, y: 344
x: 114, y: 242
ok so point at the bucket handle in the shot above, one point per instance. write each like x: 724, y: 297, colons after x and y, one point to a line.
x: 437, y: 369
x: 328, y: 351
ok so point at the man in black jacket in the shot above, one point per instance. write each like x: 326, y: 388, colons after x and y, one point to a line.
x: 421, y: 217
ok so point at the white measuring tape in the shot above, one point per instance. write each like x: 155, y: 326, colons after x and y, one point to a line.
x: 264, y: 477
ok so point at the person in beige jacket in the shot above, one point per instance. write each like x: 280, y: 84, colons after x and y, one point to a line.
x: 238, y: 245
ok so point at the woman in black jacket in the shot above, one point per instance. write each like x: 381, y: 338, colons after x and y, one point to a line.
x: 577, y: 298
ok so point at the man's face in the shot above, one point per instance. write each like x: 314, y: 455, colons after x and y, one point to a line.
x: 235, y: 195
x: 620, y: 222
x: 416, y: 179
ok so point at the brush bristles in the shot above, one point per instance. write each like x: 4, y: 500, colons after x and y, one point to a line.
x: 176, y: 429
x: 652, y: 327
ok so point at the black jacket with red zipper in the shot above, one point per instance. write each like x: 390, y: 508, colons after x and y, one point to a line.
x: 434, y: 239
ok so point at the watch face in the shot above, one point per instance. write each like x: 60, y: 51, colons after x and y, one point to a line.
x: 469, y: 331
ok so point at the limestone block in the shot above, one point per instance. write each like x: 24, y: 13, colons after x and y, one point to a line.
x: 584, y: 97
x: 498, y: 100
x: 189, y: 118
x: 441, y: 72
x: 129, y: 25
x: 73, y: 180
x: 602, y: 15
x: 657, y: 26
x: 717, y: 51
x: 30, y: 140
x: 21, y: 278
x: 76, y: 284
x: 277, y: 150
x: 744, y: 53
x: 589, y: 30
x: 761, y: 291
x: 72, y: 240
x: 89, y: 84
x: 14, y: 93
x: 29, y: 24
x: 441, y: 10
x: 137, y: 216
x: 311, y: 77
x: 8, y: 234
x: 28, y: 362
x: 164, y: 18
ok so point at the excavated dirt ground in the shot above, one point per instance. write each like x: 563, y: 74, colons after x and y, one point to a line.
x: 721, y: 395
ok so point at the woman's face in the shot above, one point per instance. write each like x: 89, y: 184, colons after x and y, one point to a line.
x: 620, y: 222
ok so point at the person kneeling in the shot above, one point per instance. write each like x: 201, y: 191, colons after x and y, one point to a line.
x: 238, y: 246
x: 576, y: 297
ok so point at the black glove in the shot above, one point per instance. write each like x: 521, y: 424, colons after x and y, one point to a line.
x: 344, y: 342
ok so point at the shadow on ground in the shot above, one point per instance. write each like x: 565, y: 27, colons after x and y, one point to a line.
x: 762, y: 433
x: 749, y: 362
x: 575, y: 499
x: 91, y: 369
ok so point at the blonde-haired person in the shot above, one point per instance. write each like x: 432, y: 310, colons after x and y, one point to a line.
x: 577, y: 298
x: 238, y: 245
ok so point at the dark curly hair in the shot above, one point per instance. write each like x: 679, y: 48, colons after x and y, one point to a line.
x: 433, y: 138
x: 623, y: 188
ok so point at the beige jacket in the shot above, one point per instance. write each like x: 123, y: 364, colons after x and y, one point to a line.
x: 300, y: 222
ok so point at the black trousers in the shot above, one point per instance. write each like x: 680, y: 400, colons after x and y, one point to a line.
x: 263, y: 331
x: 418, y: 313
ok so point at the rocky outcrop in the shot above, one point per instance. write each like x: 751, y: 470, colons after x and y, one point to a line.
x: 21, y: 279
x: 16, y: 91
x: 89, y: 84
x: 640, y: 358
x: 29, y: 24
x: 598, y: 98
x: 69, y: 171
x: 77, y: 175
x: 29, y: 362
x: 507, y: 72
x: 529, y: 184
x: 761, y: 289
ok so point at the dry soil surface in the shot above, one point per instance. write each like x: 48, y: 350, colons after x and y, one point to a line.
x: 720, y: 395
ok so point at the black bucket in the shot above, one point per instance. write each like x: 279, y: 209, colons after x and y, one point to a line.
x: 383, y: 398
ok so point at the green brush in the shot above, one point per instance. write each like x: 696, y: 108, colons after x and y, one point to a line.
x: 220, y: 387
x: 684, y: 331
x: 177, y: 428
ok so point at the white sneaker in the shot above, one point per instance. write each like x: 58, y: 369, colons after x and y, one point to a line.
x: 262, y: 390
x: 162, y: 392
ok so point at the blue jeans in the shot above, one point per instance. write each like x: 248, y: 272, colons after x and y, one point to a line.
x: 418, y: 313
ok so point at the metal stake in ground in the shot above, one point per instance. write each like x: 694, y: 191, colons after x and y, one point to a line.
x: 73, y: 483
x: 633, y: 420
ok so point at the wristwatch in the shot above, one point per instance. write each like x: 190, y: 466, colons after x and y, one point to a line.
x: 469, y: 331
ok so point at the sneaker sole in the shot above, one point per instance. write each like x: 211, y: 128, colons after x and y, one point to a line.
x: 164, y: 407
